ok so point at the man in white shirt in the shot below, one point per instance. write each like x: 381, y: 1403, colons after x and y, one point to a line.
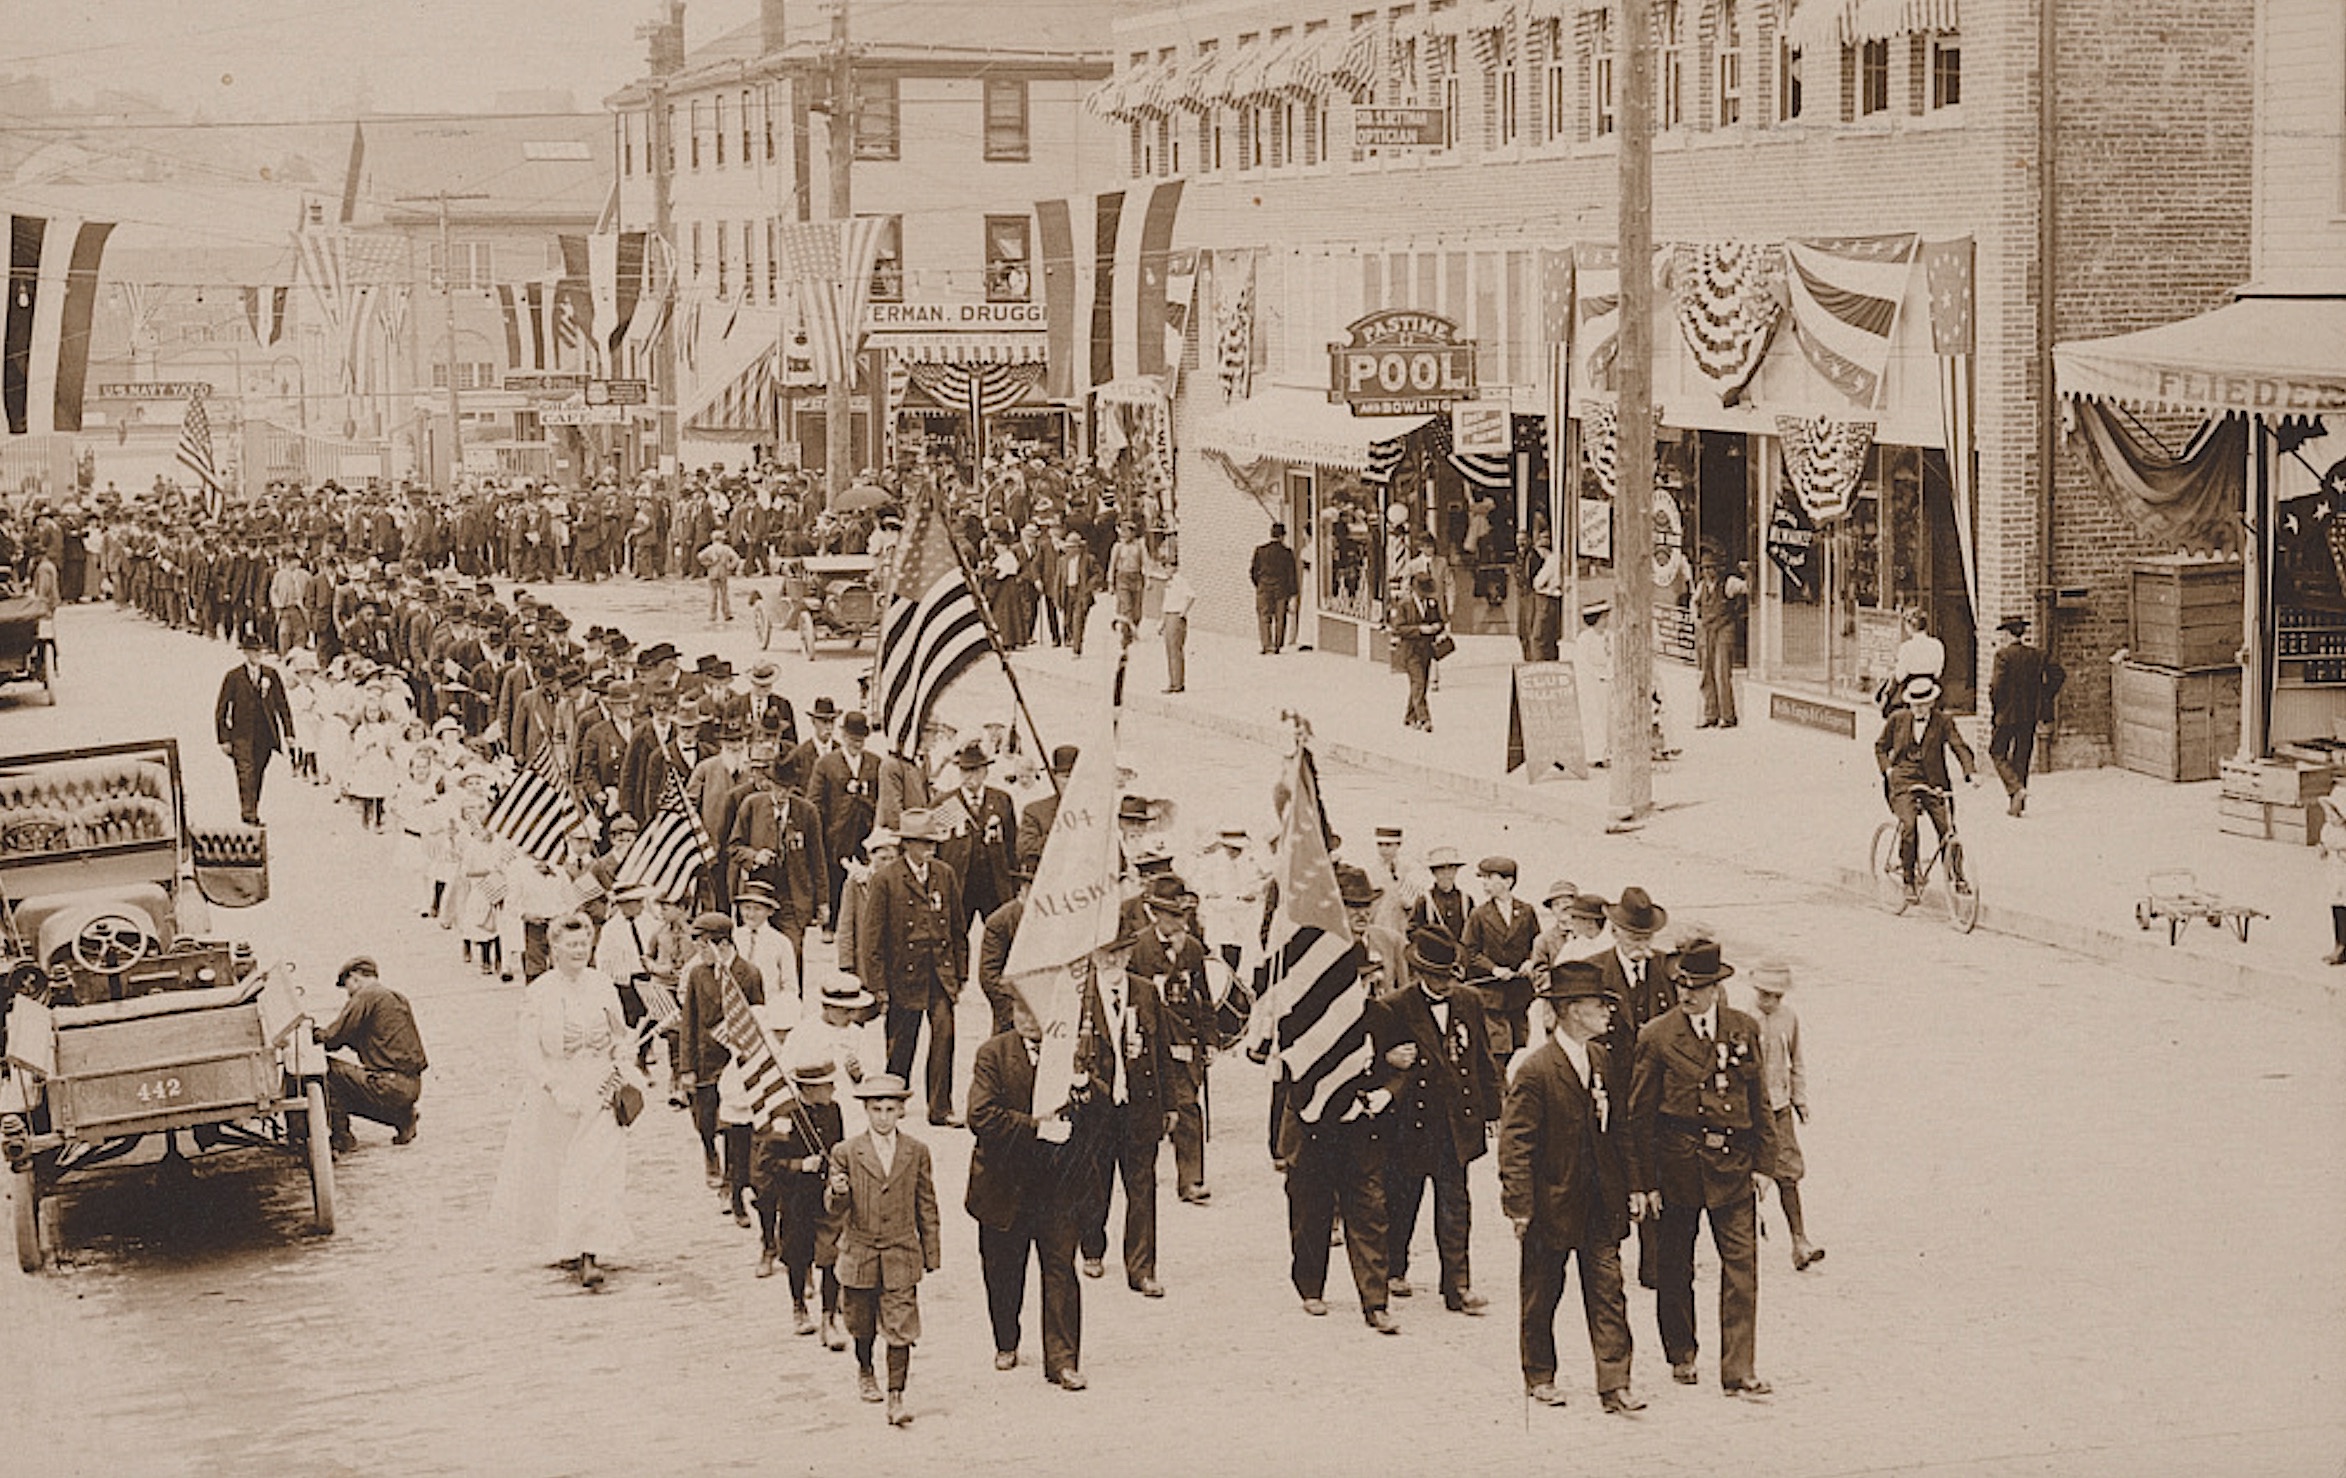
x: 768, y: 949
x: 1179, y: 596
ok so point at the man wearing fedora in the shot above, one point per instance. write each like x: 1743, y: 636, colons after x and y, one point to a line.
x: 762, y: 710
x: 1121, y: 1054
x: 776, y: 839
x: 905, y: 781
x: 1026, y: 1193
x: 654, y: 751
x: 1170, y: 955
x: 1564, y: 1185
x: 799, y: 760
x: 1701, y: 1140
x: 1912, y: 754
x: 982, y: 845
x: 844, y: 791
x: 883, y: 1189
x: 2021, y: 689
x: 252, y: 719
x: 913, y: 940
x: 1037, y: 817
x: 1443, y: 1108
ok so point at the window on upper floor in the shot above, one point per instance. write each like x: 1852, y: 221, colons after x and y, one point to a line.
x: 696, y: 251
x: 1670, y: 65
x: 1139, y: 141
x: 1510, y: 107
x: 879, y: 119
x: 626, y: 123
x: 1946, y: 70
x: 1727, y: 62
x: 717, y: 134
x: 1873, y: 78
x: 695, y: 156
x: 724, y: 260
x: 747, y: 129
x: 1009, y: 259
x: 1442, y: 64
x: 1555, y: 84
x: 1788, y: 100
x: 888, y: 262
x: 1600, y: 78
x: 668, y: 138
x: 474, y: 265
x: 1007, y: 140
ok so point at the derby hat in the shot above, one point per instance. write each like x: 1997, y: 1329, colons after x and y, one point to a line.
x: 1572, y: 980
x: 1699, y: 964
x: 1635, y: 913
x: 824, y: 709
x: 972, y: 756
x: 854, y: 724
x: 1164, y: 893
x: 1434, y: 952
x: 1063, y: 759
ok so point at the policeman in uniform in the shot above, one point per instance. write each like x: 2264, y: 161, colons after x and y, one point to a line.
x: 1701, y: 1140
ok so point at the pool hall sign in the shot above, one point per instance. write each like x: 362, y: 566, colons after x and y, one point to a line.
x: 1401, y: 363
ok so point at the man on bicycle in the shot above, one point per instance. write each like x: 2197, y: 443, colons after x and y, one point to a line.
x: 1912, y: 754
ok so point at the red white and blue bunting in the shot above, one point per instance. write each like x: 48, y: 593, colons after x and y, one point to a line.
x: 1730, y: 298
x: 1825, y: 459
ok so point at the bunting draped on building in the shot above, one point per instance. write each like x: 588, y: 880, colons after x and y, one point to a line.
x: 617, y: 268
x: 829, y: 267
x: 1845, y: 293
x: 1730, y: 297
x: 264, y: 313
x: 997, y: 387
x: 340, y: 272
x: 1106, y: 279
x: 1180, y: 312
x: 1600, y: 443
x: 1233, y: 290
x: 52, y: 296
x: 532, y: 335
x: 1596, y: 314
x: 1824, y: 458
x: 2189, y: 501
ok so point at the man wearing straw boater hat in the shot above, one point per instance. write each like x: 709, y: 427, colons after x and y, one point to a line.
x: 1564, y: 1184
x: 1701, y: 1140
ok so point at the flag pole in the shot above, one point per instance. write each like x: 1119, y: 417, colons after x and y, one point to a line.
x: 993, y: 637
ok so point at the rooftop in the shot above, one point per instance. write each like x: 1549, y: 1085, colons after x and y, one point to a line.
x: 550, y: 167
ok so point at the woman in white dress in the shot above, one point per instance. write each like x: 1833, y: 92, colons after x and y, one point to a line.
x: 562, y: 1191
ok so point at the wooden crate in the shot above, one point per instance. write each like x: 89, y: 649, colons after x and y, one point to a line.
x: 2175, y: 725
x: 2282, y: 782
x: 2300, y: 826
x: 2186, y: 613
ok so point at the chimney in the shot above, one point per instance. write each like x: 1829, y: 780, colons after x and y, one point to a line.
x: 772, y: 36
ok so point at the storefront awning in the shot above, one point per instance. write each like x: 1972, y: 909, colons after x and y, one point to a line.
x: 1300, y: 426
x: 2257, y: 356
x: 741, y: 405
x: 960, y: 348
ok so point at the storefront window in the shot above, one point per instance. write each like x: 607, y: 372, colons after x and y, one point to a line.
x: 1351, y: 552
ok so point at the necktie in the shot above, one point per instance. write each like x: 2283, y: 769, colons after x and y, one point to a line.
x: 1116, y: 1009
x: 1702, y: 1028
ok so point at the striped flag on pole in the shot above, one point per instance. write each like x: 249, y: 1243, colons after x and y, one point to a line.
x: 659, y: 1003
x: 743, y: 1035
x: 933, y: 629
x: 195, y: 454
x: 1947, y: 268
x: 536, y: 811
x: 829, y: 265
x: 1317, y: 996
x: 1108, y: 284
x: 671, y: 851
x: 52, y: 296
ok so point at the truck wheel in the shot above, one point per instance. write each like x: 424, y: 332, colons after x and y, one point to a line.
x: 24, y: 1191
x: 321, y: 1159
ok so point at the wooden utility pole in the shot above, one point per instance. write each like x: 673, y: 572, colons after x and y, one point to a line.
x: 1631, y: 749
x: 448, y: 306
x: 666, y: 36
x: 839, y: 400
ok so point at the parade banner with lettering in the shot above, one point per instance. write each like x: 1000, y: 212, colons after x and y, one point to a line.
x: 1071, y: 912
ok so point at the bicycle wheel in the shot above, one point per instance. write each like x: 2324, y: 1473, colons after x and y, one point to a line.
x: 1881, y: 864
x: 1962, y: 885
x: 763, y: 617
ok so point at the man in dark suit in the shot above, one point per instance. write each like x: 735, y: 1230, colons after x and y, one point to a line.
x: 912, y: 943
x: 2021, y: 688
x: 1497, y: 943
x: 1035, y: 821
x: 1174, y: 962
x: 994, y: 956
x: 1121, y: 1050
x: 1912, y: 753
x: 602, y: 747
x: 1025, y: 1191
x: 1701, y: 1140
x: 1335, y: 1165
x: 844, y: 789
x: 981, y: 849
x: 1442, y: 1113
x: 776, y: 838
x: 252, y: 721
x: 654, y: 751
x: 1565, y: 1186
x: 1276, y: 584
x: 799, y: 760
x: 1637, y: 982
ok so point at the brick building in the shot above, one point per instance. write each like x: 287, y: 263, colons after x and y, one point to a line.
x: 1829, y: 158
x: 962, y: 114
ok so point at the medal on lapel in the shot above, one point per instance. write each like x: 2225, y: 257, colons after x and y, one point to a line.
x: 1720, y: 1078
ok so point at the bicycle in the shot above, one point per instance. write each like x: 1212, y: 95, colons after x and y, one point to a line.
x: 1959, y: 879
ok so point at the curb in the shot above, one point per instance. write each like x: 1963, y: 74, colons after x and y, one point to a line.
x: 2134, y: 952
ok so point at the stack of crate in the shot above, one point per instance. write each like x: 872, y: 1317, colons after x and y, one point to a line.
x: 2175, y: 693
x: 2275, y: 800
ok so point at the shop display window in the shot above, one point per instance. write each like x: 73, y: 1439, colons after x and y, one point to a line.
x: 1351, y: 552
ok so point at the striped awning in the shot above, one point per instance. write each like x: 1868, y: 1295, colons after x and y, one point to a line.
x: 955, y: 348
x: 2256, y: 356
x: 741, y: 406
x: 1253, y: 74
x: 1302, y: 69
x: 1198, y: 86
x: 1295, y: 425
x: 1822, y: 25
x: 1355, y: 59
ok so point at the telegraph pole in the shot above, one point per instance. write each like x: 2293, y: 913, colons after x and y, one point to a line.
x: 839, y: 401
x: 667, y: 57
x: 448, y: 307
x: 1632, y: 768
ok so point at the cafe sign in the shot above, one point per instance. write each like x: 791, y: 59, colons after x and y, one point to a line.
x: 1401, y: 363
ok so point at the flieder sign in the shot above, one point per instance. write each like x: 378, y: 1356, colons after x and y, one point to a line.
x: 1401, y: 362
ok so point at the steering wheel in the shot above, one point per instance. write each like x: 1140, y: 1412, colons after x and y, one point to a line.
x: 110, y: 943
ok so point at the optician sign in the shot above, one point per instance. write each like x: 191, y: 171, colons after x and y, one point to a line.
x: 1401, y: 363
x: 1399, y: 128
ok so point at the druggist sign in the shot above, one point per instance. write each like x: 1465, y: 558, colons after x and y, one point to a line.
x: 1401, y: 363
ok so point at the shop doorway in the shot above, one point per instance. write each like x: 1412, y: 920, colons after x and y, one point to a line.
x: 1722, y: 513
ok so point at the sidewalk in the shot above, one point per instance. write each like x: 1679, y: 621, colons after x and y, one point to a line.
x: 1780, y: 801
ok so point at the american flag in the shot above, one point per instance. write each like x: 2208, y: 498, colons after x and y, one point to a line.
x: 536, y: 811
x: 741, y: 1034
x: 195, y: 454
x: 1317, y: 996
x: 672, y: 850
x: 659, y: 1003
x: 1946, y: 269
x: 933, y: 629
x: 829, y: 264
